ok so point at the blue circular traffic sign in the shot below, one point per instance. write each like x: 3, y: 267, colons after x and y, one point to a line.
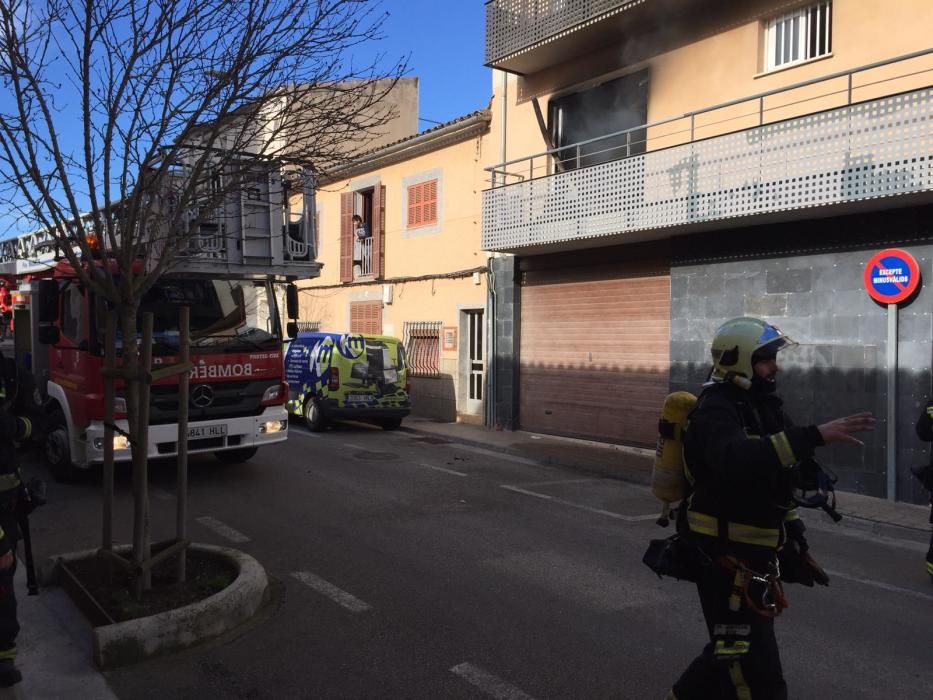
x: 891, y: 276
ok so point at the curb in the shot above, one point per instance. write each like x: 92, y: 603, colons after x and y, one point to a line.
x: 622, y: 472
x: 132, y: 641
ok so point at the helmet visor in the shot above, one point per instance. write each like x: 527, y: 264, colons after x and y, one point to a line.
x: 771, y: 341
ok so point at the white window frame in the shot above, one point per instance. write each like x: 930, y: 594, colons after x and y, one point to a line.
x: 797, y: 50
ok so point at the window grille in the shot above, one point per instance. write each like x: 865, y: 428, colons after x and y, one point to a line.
x: 799, y: 35
x: 422, y: 204
x: 309, y: 326
x: 423, y: 347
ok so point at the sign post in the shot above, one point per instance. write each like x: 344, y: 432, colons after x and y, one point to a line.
x: 891, y: 277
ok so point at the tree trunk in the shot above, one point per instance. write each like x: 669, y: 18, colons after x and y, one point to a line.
x: 137, y: 415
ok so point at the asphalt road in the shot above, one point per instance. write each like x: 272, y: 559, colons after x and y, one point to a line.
x: 408, y: 567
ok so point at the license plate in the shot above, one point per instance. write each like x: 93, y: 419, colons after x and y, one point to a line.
x: 207, y: 431
x: 356, y: 399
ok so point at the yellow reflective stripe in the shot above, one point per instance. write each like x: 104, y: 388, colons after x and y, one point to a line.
x: 8, y: 482
x: 791, y: 515
x: 28, y: 427
x: 736, y: 532
x: 737, y: 648
x: 8, y: 653
x: 2, y: 533
x: 742, y: 691
x: 670, y: 695
x: 930, y: 568
x: 783, y: 449
x: 930, y: 411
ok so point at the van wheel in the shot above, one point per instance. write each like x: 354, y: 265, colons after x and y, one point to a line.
x: 243, y: 454
x: 313, y: 417
x: 391, y: 423
x: 58, y: 450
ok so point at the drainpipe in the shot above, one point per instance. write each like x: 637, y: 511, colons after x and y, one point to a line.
x: 491, y: 299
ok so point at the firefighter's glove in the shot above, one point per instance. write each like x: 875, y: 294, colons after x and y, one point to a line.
x: 797, y: 566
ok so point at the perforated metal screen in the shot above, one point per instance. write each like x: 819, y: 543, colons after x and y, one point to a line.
x: 881, y: 148
x: 513, y: 25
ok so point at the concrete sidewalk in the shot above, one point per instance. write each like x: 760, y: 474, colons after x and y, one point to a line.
x: 864, y: 513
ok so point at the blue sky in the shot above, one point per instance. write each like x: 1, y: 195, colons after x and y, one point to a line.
x: 446, y: 40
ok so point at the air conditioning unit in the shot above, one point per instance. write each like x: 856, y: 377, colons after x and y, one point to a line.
x: 387, y: 294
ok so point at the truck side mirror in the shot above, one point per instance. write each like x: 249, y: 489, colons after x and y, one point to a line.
x: 291, y: 328
x: 48, y: 301
x: 291, y: 301
x: 49, y: 335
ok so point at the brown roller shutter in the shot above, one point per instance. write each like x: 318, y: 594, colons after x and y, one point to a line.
x: 346, y: 237
x: 595, y: 350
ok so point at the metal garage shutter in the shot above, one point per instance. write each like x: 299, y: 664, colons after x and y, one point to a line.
x: 595, y: 350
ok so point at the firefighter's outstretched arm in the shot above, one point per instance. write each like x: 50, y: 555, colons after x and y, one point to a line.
x: 844, y: 429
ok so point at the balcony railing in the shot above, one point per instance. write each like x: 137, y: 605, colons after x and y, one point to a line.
x: 860, y: 134
x: 362, y: 257
x: 513, y: 26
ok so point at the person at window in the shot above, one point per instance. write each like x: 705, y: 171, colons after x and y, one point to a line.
x: 361, y: 233
x: 924, y: 429
x: 747, y: 464
x: 360, y: 228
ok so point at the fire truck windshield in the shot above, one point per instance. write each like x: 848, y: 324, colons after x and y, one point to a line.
x: 226, y: 315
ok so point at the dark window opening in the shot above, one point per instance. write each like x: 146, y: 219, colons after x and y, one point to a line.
x: 618, y: 105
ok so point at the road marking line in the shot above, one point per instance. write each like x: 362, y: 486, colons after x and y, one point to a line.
x: 598, y: 511
x: 353, y: 447
x: 497, y: 455
x: 491, y: 685
x: 304, y: 434
x: 441, y: 469
x: 879, y: 584
x: 560, y: 482
x: 351, y: 603
x: 222, y: 530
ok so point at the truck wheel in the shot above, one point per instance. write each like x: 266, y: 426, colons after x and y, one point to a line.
x: 242, y: 454
x: 58, y: 450
x: 391, y: 423
x: 313, y: 418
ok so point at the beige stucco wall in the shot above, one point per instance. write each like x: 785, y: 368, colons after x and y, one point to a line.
x: 450, y: 246
x: 705, y: 65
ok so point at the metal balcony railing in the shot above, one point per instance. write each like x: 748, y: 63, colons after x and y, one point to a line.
x: 515, y: 25
x: 844, y: 89
x: 362, y: 257
x: 868, y: 134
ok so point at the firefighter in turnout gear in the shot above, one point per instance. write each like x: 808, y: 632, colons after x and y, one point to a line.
x: 12, y: 427
x: 925, y: 473
x: 744, y: 458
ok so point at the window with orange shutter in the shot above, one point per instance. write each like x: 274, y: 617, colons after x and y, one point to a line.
x: 366, y: 317
x: 422, y: 204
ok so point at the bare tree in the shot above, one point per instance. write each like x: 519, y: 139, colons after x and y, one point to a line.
x: 122, y: 119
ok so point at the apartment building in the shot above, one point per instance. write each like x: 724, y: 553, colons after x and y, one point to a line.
x: 399, y: 239
x: 664, y: 165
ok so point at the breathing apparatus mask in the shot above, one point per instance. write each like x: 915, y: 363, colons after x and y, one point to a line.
x: 815, y: 487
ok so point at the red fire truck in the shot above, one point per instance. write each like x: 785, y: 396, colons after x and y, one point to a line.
x: 227, y: 277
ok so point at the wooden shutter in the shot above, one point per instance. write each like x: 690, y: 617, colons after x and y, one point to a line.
x: 346, y: 237
x: 378, y: 231
x: 422, y: 204
x: 366, y: 317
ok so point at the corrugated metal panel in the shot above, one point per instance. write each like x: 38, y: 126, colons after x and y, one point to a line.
x: 595, y: 350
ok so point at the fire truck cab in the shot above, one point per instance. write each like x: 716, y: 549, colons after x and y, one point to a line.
x: 227, y: 277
